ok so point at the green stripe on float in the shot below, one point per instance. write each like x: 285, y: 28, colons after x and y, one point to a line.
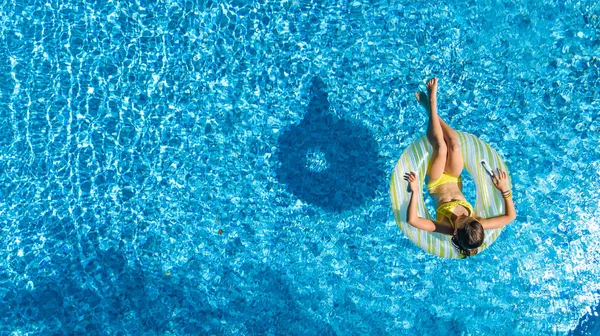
x: 483, y: 190
x: 429, y: 243
x: 395, y: 203
x: 497, y: 164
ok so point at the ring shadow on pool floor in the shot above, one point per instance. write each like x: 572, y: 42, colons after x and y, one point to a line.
x: 327, y: 161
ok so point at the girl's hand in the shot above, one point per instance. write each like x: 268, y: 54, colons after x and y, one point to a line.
x: 500, y: 181
x: 411, y: 178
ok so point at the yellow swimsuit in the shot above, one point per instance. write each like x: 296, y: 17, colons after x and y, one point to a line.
x: 447, y: 209
x: 445, y: 178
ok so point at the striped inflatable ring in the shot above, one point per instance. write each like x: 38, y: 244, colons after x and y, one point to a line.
x: 489, y: 202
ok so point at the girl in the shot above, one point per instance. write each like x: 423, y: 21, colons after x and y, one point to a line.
x: 454, y: 215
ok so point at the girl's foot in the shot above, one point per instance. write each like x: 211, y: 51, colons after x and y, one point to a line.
x: 432, y: 86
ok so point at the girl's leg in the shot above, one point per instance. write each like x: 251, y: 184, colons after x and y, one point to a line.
x: 454, y: 159
x: 453, y: 163
x: 435, y: 133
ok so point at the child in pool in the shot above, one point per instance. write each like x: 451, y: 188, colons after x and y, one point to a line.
x: 454, y: 215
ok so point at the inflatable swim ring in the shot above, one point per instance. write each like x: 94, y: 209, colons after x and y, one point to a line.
x: 488, y: 203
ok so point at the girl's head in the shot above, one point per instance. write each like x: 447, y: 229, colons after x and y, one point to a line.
x: 469, y: 236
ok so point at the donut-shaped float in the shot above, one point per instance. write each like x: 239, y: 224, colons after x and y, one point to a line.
x: 489, y: 202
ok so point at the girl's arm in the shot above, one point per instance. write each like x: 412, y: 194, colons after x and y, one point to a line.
x: 500, y: 221
x: 412, y: 215
x: 510, y: 214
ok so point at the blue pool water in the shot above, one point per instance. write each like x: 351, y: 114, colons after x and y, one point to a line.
x: 222, y: 167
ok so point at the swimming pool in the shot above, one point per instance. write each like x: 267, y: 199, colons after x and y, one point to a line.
x: 210, y: 167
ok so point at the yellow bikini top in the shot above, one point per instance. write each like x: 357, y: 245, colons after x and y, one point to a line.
x: 447, y: 209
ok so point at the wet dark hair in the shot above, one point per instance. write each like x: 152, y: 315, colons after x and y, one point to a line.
x: 468, y: 238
